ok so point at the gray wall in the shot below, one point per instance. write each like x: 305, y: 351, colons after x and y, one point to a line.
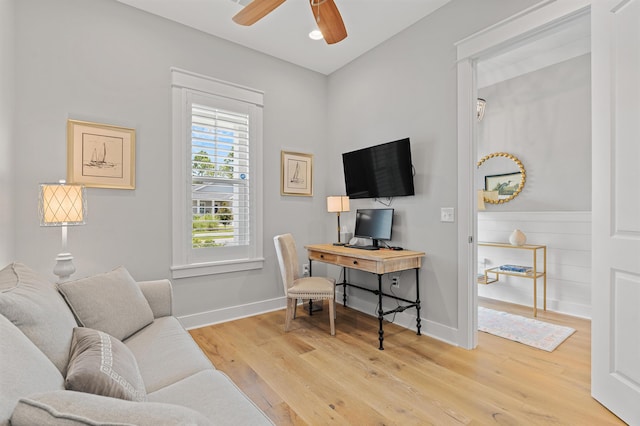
x: 103, y: 61
x: 544, y: 119
x: 7, y: 139
x: 407, y: 87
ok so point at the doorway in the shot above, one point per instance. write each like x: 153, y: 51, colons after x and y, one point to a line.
x: 537, y: 110
x: 526, y: 27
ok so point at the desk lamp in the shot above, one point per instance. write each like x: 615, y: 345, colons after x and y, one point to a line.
x: 338, y: 204
x: 63, y: 205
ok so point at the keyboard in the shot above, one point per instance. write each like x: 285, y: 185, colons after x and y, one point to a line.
x: 364, y: 247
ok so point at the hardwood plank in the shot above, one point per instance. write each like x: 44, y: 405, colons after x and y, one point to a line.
x: 307, y: 376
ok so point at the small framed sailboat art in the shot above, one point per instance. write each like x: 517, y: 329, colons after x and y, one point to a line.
x: 296, y: 173
x: 101, y: 155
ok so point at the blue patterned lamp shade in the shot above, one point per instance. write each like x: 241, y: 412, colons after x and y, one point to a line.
x: 62, y: 204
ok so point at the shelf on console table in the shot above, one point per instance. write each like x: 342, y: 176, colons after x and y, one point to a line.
x: 533, y: 274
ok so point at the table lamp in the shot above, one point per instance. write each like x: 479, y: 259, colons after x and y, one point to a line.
x: 338, y: 204
x: 62, y: 204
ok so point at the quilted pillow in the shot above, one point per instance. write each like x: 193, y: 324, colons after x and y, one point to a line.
x: 111, y: 302
x: 32, y: 304
x: 102, y: 365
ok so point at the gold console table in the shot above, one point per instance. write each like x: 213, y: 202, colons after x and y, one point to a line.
x: 492, y: 275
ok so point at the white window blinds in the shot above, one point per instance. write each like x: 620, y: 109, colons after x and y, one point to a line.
x: 220, y: 175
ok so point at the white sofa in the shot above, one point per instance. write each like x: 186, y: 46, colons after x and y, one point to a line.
x: 54, y: 372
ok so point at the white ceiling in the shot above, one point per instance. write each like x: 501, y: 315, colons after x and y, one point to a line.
x: 284, y: 32
x: 557, y: 44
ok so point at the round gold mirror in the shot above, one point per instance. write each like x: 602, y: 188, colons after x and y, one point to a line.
x: 503, y: 176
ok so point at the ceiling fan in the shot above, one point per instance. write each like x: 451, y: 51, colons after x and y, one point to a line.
x: 324, y: 11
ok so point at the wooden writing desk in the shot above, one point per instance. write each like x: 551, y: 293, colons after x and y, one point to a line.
x: 378, y: 262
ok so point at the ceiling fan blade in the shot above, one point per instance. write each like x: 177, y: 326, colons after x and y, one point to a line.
x: 329, y: 20
x: 255, y: 11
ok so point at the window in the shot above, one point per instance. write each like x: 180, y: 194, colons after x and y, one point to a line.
x: 220, y: 175
x: 217, y: 158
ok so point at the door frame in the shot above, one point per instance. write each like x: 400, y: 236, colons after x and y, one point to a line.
x: 499, y: 37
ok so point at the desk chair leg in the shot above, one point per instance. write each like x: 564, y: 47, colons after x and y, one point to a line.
x: 295, y: 307
x: 291, y: 306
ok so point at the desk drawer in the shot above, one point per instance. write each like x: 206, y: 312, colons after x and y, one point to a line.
x: 355, y: 263
x: 323, y: 257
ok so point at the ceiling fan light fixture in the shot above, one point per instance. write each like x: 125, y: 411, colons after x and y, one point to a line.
x: 316, y: 35
x: 330, y: 24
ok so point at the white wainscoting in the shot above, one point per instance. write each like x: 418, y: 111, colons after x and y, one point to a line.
x: 567, y: 236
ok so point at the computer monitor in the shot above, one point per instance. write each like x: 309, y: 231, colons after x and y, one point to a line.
x: 374, y: 223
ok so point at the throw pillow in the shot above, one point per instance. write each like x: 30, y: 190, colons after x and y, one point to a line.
x: 35, y: 307
x: 111, y: 302
x: 25, y: 369
x: 102, y: 365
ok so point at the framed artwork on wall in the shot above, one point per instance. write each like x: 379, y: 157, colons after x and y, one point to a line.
x: 296, y: 173
x: 504, y: 184
x: 101, y: 155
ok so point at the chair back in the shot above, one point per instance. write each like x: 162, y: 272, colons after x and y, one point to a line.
x: 287, y: 259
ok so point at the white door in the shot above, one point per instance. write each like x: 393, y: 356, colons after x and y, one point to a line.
x: 615, y: 301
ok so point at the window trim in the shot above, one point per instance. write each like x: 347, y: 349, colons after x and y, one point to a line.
x: 182, y: 83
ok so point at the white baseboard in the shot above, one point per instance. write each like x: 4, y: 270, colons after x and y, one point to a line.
x: 404, y: 319
x: 202, y: 319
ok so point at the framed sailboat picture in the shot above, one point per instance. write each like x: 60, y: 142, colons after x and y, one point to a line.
x: 296, y: 173
x: 101, y: 155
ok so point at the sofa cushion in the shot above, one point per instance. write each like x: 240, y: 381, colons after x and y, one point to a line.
x: 77, y: 408
x: 103, y: 365
x: 35, y: 307
x: 214, y: 395
x: 111, y: 302
x: 159, y: 295
x: 166, y: 353
x: 25, y: 369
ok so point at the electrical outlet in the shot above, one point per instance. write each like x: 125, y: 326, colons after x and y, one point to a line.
x: 395, y: 282
x: 305, y: 270
x: 447, y: 214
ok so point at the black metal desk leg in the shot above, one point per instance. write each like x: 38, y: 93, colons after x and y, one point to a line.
x: 310, y: 301
x: 380, y: 311
x: 344, y: 286
x: 418, y: 301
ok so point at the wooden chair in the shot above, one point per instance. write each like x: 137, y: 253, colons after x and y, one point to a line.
x: 296, y: 287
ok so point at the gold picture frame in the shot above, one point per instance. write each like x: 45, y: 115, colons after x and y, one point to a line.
x: 101, y: 155
x: 296, y: 173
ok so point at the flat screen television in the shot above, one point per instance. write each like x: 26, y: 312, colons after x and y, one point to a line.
x: 379, y: 171
x: 375, y: 224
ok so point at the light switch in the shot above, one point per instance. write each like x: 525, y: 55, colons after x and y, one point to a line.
x: 447, y: 214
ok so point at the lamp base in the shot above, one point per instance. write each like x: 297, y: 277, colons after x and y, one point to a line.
x: 64, y: 267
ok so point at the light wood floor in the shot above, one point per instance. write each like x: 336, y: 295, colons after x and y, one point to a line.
x: 307, y: 376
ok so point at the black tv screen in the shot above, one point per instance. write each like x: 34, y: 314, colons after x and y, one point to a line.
x: 383, y: 170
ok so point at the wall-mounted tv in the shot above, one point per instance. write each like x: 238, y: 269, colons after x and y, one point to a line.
x: 379, y: 171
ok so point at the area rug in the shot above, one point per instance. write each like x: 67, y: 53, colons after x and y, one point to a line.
x: 528, y: 331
